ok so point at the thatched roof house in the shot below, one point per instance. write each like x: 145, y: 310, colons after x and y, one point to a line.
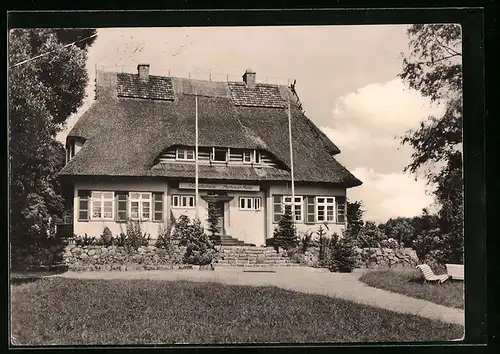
x: 139, y: 135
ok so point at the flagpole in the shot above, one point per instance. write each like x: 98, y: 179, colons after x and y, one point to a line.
x: 196, y: 157
x: 291, y: 159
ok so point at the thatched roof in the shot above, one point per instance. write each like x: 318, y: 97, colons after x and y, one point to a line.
x: 125, y: 135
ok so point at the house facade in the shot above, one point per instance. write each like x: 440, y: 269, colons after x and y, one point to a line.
x: 131, y: 155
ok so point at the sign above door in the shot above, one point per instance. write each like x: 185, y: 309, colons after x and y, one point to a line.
x: 223, y: 186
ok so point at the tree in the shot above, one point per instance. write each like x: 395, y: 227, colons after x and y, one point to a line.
x: 43, y: 93
x: 400, y: 229
x: 354, y: 215
x: 370, y: 235
x: 285, y: 235
x: 213, y: 223
x: 434, y: 68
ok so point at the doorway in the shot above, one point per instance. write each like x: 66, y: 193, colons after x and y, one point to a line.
x: 219, y: 211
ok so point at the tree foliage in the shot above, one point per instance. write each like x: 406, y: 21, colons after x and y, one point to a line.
x: 213, y: 223
x: 285, y: 234
x: 43, y: 93
x: 400, y: 229
x: 434, y: 68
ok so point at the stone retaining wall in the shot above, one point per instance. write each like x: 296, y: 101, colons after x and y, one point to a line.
x: 386, y: 258
x: 119, y: 258
x: 372, y: 258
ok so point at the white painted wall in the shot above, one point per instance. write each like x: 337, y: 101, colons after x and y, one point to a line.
x: 302, y: 191
x: 246, y: 225
x: 96, y: 227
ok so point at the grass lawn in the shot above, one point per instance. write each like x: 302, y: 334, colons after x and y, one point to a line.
x: 71, y: 312
x: 410, y: 282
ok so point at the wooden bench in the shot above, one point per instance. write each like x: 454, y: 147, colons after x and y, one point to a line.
x: 455, y: 271
x: 429, y: 275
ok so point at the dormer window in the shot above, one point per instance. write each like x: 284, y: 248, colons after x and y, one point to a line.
x: 247, y: 157
x: 184, y: 154
x: 256, y: 156
x: 219, y: 155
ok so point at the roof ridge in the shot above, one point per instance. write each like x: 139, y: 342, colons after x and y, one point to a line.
x: 202, y: 80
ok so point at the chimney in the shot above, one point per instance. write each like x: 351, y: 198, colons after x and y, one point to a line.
x: 143, y: 72
x: 249, y: 77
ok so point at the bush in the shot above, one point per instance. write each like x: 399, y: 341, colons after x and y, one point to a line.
x: 199, y: 249
x: 85, y: 240
x: 107, y: 237
x: 285, y: 234
x: 390, y: 243
x: 306, y: 241
x: 134, y: 237
x: 342, y: 255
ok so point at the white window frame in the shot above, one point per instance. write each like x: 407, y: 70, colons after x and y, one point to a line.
x: 183, y: 197
x: 249, y: 156
x: 255, y: 154
x: 255, y: 203
x: 326, y: 203
x: 94, y: 201
x: 212, y: 157
x: 140, y: 200
x: 184, y: 154
x: 299, y: 201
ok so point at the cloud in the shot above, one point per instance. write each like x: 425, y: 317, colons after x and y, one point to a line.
x: 387, y: 195
x: 376, y: 114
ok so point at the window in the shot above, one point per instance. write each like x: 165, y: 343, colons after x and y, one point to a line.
x: 247, y: 157
x: 297, y: 205
x: 219, y: 155
x: 158, y: 206
x: 102, y: 205
x: 184, y: 154
x: 256, y: 157
x: 341, y: 218
x: 83, y: 204
x: 325, y: 209
x: 183, y: 201
x: 247, y: 203
x: 277, y: 208
x: 140, y: 205
x: 121, y: 210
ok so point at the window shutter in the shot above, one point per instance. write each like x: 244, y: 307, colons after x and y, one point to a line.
x: 158, y: 206
x: 310, y: 210
x: 83, y: 205
x: 277, y: 208
x: 341, y: 209
x: 121, y: 206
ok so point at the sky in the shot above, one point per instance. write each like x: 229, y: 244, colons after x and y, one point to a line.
x: 346, y: 78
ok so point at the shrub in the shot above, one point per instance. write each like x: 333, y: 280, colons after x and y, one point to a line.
x: 107, y: 237
x: 133, y: 238
x: 390, y: 243
x: 323, y: 246
x: 85, y: 240
x: 306, y: 241
x: 285, y: 234
x: 342, y: 255
x: 199, y: 249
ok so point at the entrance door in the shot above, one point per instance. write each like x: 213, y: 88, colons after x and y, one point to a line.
x: 219, y: 207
